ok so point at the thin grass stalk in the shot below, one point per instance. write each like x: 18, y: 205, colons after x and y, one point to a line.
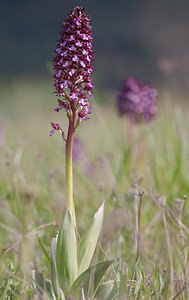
x: 168, y: 241
x: 170, y: 213
x: 179, y: 292
x: 183, y: 239
x: 138, y: 204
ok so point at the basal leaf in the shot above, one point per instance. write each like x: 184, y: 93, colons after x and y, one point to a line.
x: 107, y: 291
x: 91, y: 278
x: 54, y: 275
x: 66, y: 252
x: 89, y: 240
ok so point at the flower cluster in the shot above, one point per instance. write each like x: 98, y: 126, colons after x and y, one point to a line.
x: 73, y: 65
x: 137, y: 100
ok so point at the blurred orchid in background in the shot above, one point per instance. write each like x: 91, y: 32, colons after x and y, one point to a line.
x: 138, y: 100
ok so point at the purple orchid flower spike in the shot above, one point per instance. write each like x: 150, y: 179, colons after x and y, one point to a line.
x: 137, y: 100
x: 73, y: 65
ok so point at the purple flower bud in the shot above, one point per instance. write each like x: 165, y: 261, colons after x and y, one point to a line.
x: 137, y: 100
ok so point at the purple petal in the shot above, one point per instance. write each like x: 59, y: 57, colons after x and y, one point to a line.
x: 58, y: 108
x: 52, y: 132
x: 79, y: 44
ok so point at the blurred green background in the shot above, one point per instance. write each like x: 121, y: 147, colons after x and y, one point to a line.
x: 147, y: 38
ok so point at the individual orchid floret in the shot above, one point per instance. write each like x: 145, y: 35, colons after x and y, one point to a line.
x: 62, y: 104
x: 73, y: 63
x: 55, y: 127
x: 137, y: 100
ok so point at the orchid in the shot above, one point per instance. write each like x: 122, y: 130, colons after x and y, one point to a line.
x: 70, y: 257
x: 137, y: 100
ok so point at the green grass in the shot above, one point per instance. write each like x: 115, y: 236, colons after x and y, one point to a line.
x: 120, y: 159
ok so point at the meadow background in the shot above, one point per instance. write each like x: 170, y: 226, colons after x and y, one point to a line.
x: 146, y: 39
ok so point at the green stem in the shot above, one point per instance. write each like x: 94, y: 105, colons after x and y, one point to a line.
x: 69, y: 167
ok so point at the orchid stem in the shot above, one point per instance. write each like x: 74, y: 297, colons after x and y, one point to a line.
x: 69, y: 167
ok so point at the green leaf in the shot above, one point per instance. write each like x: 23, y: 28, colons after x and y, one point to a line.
x: 89, y: 240
x: 38, y: 281
x: 45, y: 287
x: 44, y: 250
x: 66, y: 252
x: 107, y: 291
x: 90, y: 279
x: 54, y: 275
